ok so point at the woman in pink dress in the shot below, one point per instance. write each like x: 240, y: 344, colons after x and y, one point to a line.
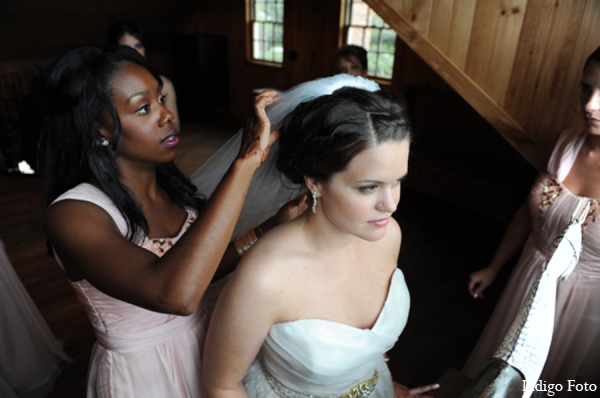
x: 572, y: 180
x: 31, y: 355
x: 137, y: 244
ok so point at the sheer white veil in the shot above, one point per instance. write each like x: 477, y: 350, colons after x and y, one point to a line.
x: 269, y: 189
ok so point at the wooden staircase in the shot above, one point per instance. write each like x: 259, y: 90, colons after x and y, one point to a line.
x: 516, y: 62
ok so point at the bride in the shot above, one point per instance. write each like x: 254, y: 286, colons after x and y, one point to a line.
x: 315, y: 304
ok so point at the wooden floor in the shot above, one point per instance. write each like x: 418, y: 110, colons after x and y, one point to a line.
x: 442, y: 244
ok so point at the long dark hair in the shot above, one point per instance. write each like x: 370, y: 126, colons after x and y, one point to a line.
x: 79, y: 101
x: 321, y: 137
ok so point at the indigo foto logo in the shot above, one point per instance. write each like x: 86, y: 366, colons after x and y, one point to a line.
x: 551, y: 388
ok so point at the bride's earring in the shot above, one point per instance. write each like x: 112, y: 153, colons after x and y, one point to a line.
x: 314, y: 204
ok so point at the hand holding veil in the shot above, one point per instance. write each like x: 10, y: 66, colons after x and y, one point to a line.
x: 269, y: 189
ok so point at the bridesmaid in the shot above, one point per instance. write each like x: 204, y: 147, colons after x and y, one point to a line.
x: 572, y: 180
x: 137, y: 244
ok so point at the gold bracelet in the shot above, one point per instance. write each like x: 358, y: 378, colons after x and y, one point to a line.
x: 245, y: 242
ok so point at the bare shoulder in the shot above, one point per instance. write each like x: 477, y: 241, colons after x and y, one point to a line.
x: 67, y: 217
x: 393, y: 236
x: 265, y: 258
x: 80, y: 233
x: 269, y: 266
x: 394, y: 229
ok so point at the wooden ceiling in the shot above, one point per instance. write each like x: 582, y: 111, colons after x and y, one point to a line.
x: 516, y: 62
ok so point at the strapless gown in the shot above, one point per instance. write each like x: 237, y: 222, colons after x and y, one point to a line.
x: 321, y: 358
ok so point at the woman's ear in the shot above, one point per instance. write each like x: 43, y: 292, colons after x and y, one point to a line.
x: 105, y: 137
x: 106, y: 128
x: 312, y: 185
x: 104, y: 133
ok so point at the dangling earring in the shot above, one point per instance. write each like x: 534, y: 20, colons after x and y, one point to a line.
x: 314, y: 204
x: 105, y: 142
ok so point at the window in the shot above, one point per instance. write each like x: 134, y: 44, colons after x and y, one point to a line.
x: 266, y: 23
x: 366, y: 29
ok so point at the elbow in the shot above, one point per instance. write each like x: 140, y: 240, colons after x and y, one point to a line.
x: 219, y: 383
x: 179, y: 305
x: 216, y: 391
x: 185, y: 310
x: 182, y: 297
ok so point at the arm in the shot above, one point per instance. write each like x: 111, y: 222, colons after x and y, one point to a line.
x: 515, y: 236
x: 247, y: 308
x: 89, y: 244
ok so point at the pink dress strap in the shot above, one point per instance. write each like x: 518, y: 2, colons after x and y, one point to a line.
x: 565, y: 152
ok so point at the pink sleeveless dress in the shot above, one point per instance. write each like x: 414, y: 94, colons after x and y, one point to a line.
x: 139, y: 353
x: 575, y: 349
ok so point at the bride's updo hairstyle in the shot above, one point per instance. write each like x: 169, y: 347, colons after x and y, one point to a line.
x: 320, y: 137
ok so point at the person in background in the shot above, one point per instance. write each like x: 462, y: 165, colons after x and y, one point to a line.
x: 137, y: 243
x: 315, y: 305
x: 124, y: 32
x: 351, y: 59
x: 571, y: 181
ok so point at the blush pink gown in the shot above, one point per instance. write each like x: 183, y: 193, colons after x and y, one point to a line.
x: 30, y: 354
x: 575, y: 349
x: 139, y: 353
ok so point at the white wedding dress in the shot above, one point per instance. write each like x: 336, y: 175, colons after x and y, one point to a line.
x: 310, y: 357
x: 321, y: 358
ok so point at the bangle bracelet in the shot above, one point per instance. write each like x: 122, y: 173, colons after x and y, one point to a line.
x: 245, y: 242
x: 260, y: 231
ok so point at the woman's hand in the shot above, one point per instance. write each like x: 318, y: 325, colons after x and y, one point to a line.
x: 480, y: 280
x: 258, y: 137
x: 401, y: 391
x: 287, y: 212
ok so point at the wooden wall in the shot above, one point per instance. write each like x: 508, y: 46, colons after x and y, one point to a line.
x: 517, y: 62
x: 310, y: 41
x: 39, y: 31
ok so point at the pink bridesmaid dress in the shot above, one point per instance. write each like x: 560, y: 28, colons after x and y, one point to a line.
x: 575, y: 349
x: 138, y: 352
x: 30, y: 355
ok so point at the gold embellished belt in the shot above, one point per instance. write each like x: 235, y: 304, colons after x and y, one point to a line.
x: 361, y: 389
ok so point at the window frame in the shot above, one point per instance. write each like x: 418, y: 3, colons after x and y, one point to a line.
x: 250, y: 21
x: 346, y: 22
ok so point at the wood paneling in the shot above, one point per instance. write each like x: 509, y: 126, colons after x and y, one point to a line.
x: 460, y: 32
x: 517, y: 62
x: 473, y: 93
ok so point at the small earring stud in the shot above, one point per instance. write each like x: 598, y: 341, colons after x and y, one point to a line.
x: 104, y: 143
